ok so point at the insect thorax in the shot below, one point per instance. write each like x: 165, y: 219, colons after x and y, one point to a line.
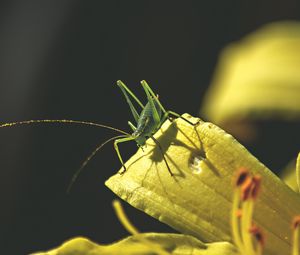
x: 146, y: 125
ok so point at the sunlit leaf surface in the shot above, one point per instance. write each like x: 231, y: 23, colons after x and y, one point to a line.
x: 197, y: 200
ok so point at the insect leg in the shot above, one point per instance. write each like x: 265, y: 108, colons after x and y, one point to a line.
x: 150, y: 100
x: 133, y: 127
x: 122, y: 140
x: 123, y: 86
x: 147, y: 87
x: 161, y: 151
x: 168, y: 113
x: 127, y: 91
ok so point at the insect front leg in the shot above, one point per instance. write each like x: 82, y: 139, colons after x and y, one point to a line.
x: 116, y: 142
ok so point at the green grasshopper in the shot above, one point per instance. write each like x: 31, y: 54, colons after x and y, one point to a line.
x: 151, y: 118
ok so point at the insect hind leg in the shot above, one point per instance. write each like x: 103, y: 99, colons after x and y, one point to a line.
x: 126, y: 91
x: 148, y: 89
x: 151, y: 99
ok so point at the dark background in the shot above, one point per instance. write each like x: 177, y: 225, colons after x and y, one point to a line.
x: 60, y: 60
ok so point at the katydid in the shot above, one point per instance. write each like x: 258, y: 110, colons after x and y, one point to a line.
x: 150, y: 119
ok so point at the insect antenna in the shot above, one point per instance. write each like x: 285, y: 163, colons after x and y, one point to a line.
x: 87, y: 123
x: 161, y: 151
x: 99, y: 147
x: 64, y: 121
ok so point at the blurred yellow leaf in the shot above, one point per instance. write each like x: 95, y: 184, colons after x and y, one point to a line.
x: 258, y: 76
x: 176, y: 244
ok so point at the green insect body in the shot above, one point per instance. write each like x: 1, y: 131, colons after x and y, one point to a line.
x: 146, y: 124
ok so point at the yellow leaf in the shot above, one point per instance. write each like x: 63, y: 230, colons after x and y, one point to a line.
x: 197, y: 200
